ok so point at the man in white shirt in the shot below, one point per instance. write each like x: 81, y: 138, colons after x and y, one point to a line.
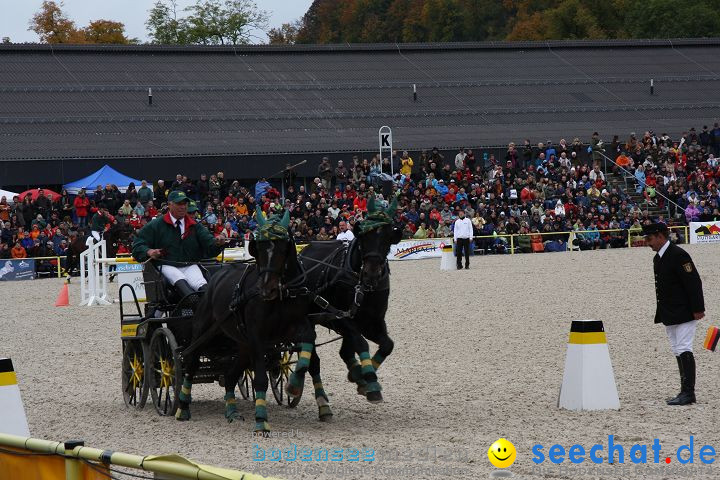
x: 462, y: 233
x: 460, y: 160
x: 345, y: 234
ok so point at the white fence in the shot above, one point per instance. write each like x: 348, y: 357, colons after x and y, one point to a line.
x: 94, y: 276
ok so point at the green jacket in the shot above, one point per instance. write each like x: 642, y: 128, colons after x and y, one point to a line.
x: 98, y: 222
x: 145, y: 194
x: 196, y: 244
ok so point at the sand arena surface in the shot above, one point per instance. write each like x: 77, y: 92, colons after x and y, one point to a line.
x: 479, y: 355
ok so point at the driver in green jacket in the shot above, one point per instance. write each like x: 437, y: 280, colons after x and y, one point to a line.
x: 176, y: 241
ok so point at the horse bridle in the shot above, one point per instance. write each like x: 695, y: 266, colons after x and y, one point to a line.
x: 286, y: 289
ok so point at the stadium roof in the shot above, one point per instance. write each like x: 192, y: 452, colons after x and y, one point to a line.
x: 91, y: 102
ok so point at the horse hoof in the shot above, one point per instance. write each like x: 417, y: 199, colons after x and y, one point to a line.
x: 182, y: 415
x: 325, y: 414
x: 234, y: 416
x: 374, y: 397
x: 293, y: 391
x: 362, y: 390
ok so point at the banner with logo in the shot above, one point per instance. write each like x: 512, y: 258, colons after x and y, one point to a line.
x: 17, y: 269
x: 131, y: 273
x: 415, y: 249
x: 704, y: 232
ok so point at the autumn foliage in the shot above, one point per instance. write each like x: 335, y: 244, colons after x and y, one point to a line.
x: 368, y: 21
x: 53, y: 26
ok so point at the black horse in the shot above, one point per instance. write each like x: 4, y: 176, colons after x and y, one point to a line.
x: 356, y: 280
x: 254, y: 307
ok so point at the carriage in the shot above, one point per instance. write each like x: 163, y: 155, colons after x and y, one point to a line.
x: 155, y: 338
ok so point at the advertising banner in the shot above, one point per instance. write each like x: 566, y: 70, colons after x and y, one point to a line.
x: 416, y: 249
x: 131, y: 273
x: 704, y: 232
x: 18, y: 269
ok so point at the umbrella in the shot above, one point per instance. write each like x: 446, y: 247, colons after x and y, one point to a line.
x: 35, y: 192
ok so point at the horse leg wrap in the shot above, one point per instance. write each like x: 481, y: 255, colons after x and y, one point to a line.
x: 372, y: 389
x: 297, y: 378
x: 368, y: 372
x: 377, y: 360
x: 324, y: 411
x: 184, y: 398
x: 231, y: 412
x: 261, y: 423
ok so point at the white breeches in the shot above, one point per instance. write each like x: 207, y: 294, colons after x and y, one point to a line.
x: 681, y: 336
x: 191, y: 274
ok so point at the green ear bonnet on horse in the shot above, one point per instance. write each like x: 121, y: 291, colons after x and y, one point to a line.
x: 273, y: 228
x: 376, y: 217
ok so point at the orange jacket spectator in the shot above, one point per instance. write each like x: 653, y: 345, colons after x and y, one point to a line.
x: 623, y: 161
x: 241, y: 209
x: 360, y: 204
x: 4, y: 210
x: 18, y: 251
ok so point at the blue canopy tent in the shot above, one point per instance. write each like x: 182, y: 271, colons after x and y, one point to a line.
x: 102, y: 177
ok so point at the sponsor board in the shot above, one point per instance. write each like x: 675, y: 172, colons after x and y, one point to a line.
x: 17, y: 269
x: 704, y: 232
x: 415, y: 249
x: 131, y: 273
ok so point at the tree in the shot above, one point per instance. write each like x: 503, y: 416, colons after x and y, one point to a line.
x: 285, y: 35
x: 209, y: 22
x: 164, y: 26
x: 51, y: 24
x: 106, y: 31
x: 673, y: 19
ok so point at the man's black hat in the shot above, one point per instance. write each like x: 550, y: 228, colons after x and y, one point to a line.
x: 657, y: 227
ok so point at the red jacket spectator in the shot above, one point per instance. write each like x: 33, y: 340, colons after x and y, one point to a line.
x: 230, y: 200
x: 526, y: 196
x: 82, y: 205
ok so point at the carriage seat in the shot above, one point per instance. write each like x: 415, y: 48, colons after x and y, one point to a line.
x: 158, y: 289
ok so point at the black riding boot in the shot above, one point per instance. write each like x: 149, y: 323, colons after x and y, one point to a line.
x: 682, y: 379
x: 687, y: 395
x: 183, y: 288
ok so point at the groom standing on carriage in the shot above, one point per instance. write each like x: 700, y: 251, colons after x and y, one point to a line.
x: 176, y: 238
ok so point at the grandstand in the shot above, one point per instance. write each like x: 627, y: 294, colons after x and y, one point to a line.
x: 67, y: 110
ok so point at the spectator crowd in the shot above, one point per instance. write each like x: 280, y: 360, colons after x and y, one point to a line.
x: 539, y: 191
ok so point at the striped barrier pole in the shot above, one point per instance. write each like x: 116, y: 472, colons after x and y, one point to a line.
x: 172, y: 465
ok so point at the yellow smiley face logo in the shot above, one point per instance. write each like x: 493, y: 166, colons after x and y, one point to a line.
x: 502, y: 453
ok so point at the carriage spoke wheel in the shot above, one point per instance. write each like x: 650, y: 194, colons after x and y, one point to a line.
x: 279, y: 376
x: 165, y: 375
x: 245, y: 385
x: 135, y: 388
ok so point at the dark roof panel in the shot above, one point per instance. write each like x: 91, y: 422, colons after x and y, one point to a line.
x: 91, y: 101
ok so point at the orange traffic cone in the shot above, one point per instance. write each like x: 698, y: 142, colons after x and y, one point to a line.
x: 63, y: 299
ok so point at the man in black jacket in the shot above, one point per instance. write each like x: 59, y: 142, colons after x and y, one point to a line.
x: 680, y: 304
